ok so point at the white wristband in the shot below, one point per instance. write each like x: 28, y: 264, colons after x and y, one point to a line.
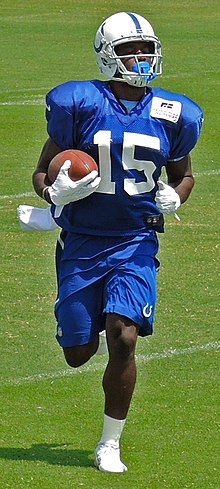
x: 43, y: 193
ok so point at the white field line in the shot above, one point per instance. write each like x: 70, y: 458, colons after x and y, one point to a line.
x: 18, y: 196
x: 23, y: 17
x: 33, y: 194
x: 207, y: 173
x: 215, y: 345
x: 23, y: 90
x: 34, y: 101
x: 21, y: 97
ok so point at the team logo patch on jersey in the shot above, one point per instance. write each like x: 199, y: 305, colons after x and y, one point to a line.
x: 166, y: 109
x: 147, y: 310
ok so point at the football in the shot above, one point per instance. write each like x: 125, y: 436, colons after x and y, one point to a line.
x: 81, y: 164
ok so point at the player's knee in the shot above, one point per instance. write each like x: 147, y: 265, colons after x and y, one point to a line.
x: 122, y: 336
x: 76, y: 356
x: 74, y: 361
x: 124, y: 346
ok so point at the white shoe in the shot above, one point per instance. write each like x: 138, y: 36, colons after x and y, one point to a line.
x: 108, y: 458
x: 102, y: 348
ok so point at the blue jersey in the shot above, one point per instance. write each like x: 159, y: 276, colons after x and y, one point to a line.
x: 130, y: 148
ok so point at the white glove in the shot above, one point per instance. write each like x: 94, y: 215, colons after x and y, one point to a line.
x: 64, y: 190
x: 167, y: 199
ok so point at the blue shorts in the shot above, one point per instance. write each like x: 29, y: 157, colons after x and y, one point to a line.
x: 99, y: 275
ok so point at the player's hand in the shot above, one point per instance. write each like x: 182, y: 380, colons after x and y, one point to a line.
x: 64, y: 190
x: 167, y: 199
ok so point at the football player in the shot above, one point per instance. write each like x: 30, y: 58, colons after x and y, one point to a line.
x: 107, y: 250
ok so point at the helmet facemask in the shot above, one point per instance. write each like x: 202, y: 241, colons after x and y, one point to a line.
x: 143, y: 70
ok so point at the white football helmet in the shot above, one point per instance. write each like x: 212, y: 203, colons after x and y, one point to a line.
x: 122, y: 28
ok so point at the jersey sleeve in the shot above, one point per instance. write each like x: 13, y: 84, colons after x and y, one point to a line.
x: 188, y: 132
x: 60, y: 116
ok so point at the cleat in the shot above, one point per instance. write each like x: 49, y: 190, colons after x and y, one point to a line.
x: 108, y: 458
x: 102, y: 348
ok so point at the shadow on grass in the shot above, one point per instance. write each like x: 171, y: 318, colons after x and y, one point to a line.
x: 50, y: 453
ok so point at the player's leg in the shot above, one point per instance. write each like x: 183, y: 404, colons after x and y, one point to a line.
x: 130, y: 294
x: 79, y: 319
x: 130, y: 305
x: 76, y: 356
x: 118, y: 384
x: 78, y: 309
x: 120, y: 375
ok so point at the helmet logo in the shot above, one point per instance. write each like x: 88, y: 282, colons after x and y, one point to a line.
x: 99, y: 48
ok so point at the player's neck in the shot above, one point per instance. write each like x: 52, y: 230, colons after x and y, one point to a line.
x: 127, y: 92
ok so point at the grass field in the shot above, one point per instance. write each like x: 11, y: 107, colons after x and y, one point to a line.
x: 51, y: 417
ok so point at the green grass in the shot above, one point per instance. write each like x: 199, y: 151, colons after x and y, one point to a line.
x: 50, y: 417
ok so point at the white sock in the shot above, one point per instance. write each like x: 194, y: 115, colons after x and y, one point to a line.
x: 112, y: 430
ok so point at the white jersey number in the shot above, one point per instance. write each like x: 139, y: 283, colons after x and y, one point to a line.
x: 131, y: 140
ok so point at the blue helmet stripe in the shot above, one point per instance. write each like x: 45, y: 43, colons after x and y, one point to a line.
x: 136, y: 21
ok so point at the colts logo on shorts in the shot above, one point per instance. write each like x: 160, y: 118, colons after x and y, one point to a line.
x: 147, y: 311
x: 59, y: 331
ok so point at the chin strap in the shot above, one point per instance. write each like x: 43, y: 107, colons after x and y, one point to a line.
x: 144, y: 68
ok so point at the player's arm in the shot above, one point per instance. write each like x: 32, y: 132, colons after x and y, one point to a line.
x: 40, y: 180
x: 180, y: 177
x: 180, y: 183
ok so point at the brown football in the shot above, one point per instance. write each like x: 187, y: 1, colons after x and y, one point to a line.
x: 81, y: 164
